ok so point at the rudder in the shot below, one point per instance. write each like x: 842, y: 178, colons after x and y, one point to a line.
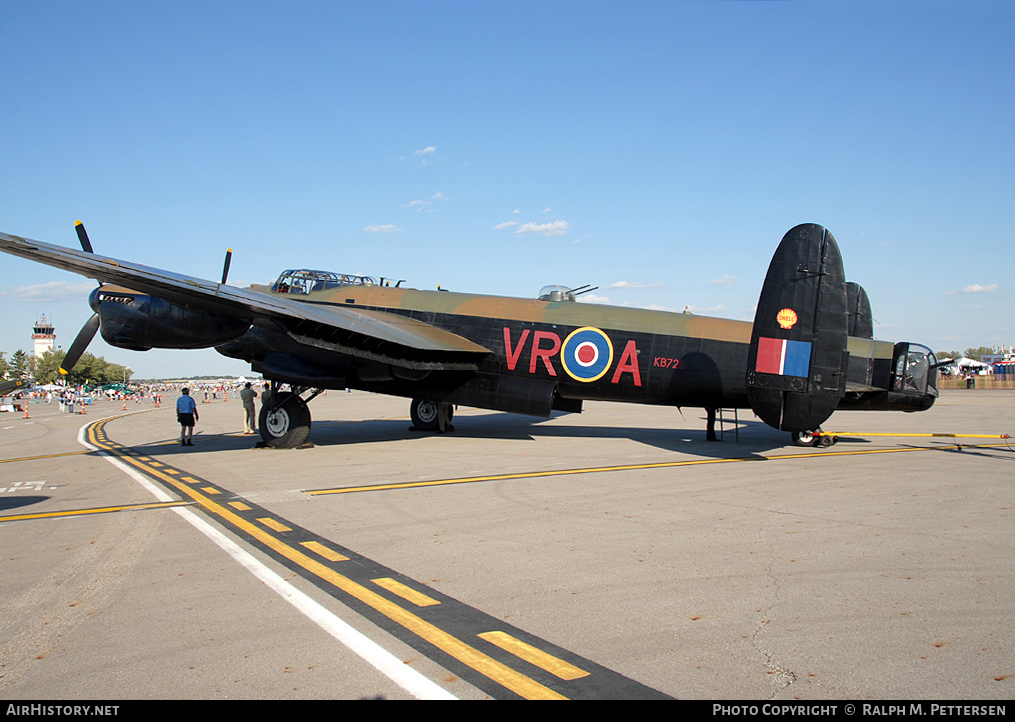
x: 858, y: 305
x: 796, y: 366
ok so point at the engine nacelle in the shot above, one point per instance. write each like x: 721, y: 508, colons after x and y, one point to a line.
x: 139, y: 322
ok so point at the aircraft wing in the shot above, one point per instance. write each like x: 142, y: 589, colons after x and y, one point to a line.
x: 7, y: 387
x: 377, y: 335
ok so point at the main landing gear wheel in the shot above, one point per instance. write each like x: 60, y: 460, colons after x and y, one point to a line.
x: 287, y: 425
x: 426, y: 415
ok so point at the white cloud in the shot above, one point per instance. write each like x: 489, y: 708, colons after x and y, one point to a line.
x: 555, y: 228
x: 424, y: 151
x: 634, y: 284
x: 52, y: 291
x: 977, y: 288
x: 547, y: 210
x: 704, y: 310
x: 505, y: 224
x: 726, y: 280
x: 424, y: 206
x: 593, y: 298
x: 376, y: 228
x: 516, y: 212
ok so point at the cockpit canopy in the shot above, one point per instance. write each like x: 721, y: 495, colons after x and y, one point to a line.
x: 304, y: 281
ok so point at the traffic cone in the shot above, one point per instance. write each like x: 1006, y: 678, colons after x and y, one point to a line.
x: 26, y: 408
x: 124, y: 404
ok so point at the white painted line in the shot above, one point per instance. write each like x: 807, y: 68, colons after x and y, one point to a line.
x: 388, y: 664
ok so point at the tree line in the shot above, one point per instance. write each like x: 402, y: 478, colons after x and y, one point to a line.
x: 46, y: 370
x: 974, y: 353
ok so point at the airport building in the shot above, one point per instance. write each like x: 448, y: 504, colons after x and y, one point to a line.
x: 43, y: 336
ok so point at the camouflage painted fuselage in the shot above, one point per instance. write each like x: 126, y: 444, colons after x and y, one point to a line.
x: 547, y: 355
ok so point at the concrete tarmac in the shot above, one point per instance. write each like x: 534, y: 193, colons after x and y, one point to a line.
x: 617, y: 539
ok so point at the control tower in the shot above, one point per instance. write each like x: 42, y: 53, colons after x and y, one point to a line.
x: 43, y: 336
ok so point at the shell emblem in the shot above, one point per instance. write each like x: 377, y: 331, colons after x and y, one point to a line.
x: 787, y: 318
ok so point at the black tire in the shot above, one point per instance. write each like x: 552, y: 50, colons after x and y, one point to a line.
x: 288, y: 426
x: 426, y: 414
x: 805, y: 438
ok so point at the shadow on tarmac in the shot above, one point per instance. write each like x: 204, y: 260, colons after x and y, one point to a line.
x: 16, y: 502
x: 755, y: 437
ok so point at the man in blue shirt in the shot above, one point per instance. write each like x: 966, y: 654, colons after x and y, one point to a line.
x: 186, y: 414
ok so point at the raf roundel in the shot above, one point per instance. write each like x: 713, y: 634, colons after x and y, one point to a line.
x: 586, y: 354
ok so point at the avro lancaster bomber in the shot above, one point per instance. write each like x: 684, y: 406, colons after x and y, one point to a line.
x: 809, y: 351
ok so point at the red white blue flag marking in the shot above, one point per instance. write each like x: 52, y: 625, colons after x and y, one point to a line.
x: 783, y: 357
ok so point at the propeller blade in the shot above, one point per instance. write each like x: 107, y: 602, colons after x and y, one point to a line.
x: 86, y: 245
x: 84, y: 337
x: 225, y: 268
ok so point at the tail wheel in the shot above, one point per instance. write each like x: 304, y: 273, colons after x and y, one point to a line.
x: 805, y: 438
x: 287, y: 425
x: 426, y: 414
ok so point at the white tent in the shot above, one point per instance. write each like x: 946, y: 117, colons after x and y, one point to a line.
x: 968, y: 365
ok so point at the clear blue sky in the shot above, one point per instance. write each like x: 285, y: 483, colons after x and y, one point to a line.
x: 659, y: 150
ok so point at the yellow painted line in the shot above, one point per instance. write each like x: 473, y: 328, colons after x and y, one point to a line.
x: 509, y: 678
x: 407, y: 593
x: 239, y: 506
x: 45, y: 456
x: 273, y: 524
x: 533, y: 655
x: 633, y: 467
x: 96, y: 510
x: 210, y: 490
x: 526, y: 475
x: 190, y: 480
x: 330, y: 554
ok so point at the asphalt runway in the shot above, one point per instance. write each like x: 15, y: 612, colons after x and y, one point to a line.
x: 611, y: 554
